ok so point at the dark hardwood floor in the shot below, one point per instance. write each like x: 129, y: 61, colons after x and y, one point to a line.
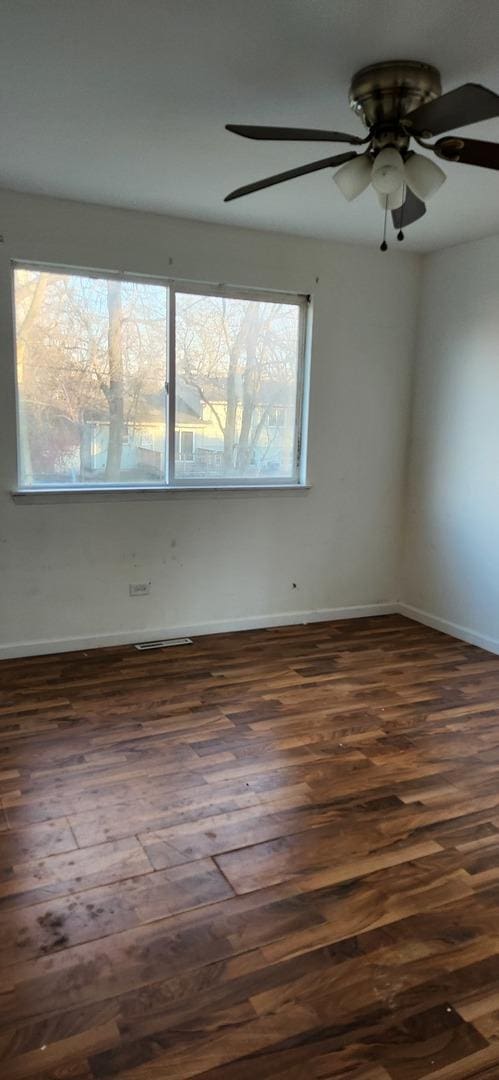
x: 272, y: 854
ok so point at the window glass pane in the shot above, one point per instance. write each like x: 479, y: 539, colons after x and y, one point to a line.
x: 237, y: 364
x: 91, y: 370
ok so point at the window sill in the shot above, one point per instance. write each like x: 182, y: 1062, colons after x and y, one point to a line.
x: 28, y: 496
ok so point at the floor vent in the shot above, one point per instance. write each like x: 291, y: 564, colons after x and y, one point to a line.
x: 165, y: 644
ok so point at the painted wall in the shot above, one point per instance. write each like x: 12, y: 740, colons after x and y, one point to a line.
x: 451, y: 562
x: 230, y: 559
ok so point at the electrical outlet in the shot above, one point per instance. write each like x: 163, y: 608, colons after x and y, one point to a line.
x: 143, y: 589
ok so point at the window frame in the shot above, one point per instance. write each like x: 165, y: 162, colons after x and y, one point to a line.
x: 170, y: 484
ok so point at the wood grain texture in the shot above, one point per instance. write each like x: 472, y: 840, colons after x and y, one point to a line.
x: 270, y: 854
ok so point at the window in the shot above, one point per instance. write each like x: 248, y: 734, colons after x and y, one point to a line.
x: 129, y: 383
x: 184, y: 445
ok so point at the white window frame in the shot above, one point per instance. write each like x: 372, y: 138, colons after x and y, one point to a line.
x: 170, y: 484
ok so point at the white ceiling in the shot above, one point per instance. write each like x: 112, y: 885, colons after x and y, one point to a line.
x: 124, y: 102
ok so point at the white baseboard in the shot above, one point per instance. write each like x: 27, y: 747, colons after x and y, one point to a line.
x: 220, y: 626
x: 251, y: 622
x: 453, y: 629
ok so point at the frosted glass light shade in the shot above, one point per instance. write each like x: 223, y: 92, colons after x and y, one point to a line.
x: 353, y: 178
x: 423, y: 176
x: 388, y: 171
x: 393, y: 201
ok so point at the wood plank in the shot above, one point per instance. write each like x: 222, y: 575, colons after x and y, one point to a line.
x: 68, y: 873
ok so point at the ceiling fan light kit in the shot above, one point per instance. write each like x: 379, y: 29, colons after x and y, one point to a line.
x: 423, y: 176
x: 393, y: 201
x: 387, y: 171
x: 398, y: 101
x: 353, y: 177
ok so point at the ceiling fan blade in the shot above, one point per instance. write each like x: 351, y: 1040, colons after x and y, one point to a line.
x: 469, y: 151
x: 466, y: 104
x: 254, y: 131
x: 269, y: 181
x: 411, y: 210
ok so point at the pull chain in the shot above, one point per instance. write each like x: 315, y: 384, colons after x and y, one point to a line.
x: 384, y: 245
x: 400, y: 235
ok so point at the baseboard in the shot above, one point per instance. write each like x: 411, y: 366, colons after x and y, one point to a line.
x: 219, y: 626
x: 44, y: 647
x: 453, y: 629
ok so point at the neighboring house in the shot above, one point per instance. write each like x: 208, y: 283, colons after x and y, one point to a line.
x: 199, y: 438
x: 271, y: 436
x: 143, y: 447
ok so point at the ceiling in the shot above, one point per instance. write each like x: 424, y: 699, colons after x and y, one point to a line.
x: 124, y: 102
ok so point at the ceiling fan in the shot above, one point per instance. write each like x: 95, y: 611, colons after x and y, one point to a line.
x: 398, y: 101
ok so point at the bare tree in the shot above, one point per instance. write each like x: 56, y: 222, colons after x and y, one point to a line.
x: 240, y: 357
x: 26, y: 324
x: 114, y: 390
x: 92, y: 360
x: 90, y: 352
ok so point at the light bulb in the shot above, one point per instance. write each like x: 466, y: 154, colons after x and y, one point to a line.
x: 423, y: 176
x: 353, y: 178
x: 393, y: 201
x: 388, y: 171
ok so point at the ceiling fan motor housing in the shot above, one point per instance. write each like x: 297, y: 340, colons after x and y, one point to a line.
x: 382, y: 94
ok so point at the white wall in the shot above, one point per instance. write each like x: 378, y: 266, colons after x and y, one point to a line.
x: 451, y: 562
x: 232, y: 559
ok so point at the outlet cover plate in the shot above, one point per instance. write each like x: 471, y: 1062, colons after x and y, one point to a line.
x: 141, y: 589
